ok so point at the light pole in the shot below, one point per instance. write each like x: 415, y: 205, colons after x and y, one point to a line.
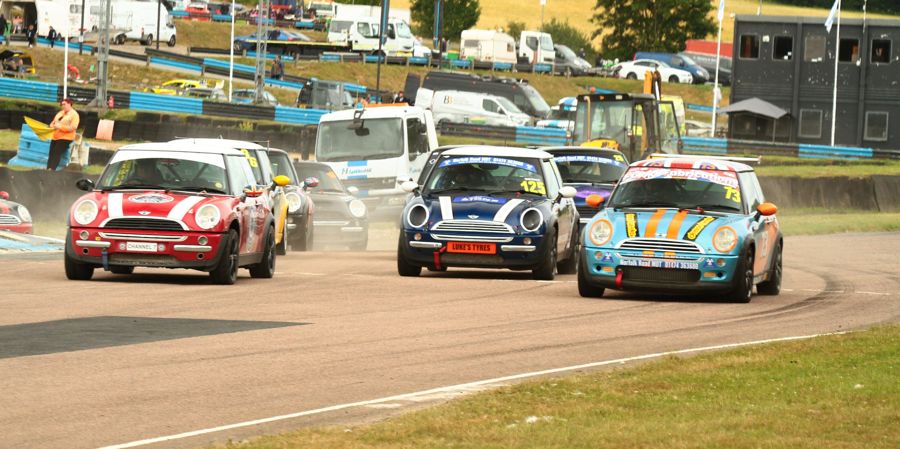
x: 65, y: 93
x: 231, y: 54
x: 158, y: 16
x: 543, y: 3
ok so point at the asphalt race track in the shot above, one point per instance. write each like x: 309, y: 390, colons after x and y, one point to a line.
x: 128, y: 358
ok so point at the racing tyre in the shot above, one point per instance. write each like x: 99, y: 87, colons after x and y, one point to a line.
x: 772, y: 286
x: 225, y: 272
x: 631, y: 76
x: 673, y: 79
x: 546, y: 270
x: 570, y: 265
x: 585, y: 289
x: 404, y: 267
x: 171, y: 42
x: 75, y: 270
x: 121, y: 269
x: 265, y: 269
x: 149, y: 40
x: 743, y: 280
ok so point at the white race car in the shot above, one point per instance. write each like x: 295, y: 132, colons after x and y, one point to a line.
x: 635, y: 70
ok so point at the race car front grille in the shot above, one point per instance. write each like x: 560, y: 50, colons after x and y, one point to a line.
x: 586, y: 211
x: 370, y: 183
x: 144, y: 224
x: 481, y: 226
x: 666, y: 275
x: 9, y: 220
x: 667, y: 245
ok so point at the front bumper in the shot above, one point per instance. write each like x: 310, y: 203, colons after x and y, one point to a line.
x: 108, y: 247
x: 516, y: 253
x: 658, y: 272
x: 22, y: 228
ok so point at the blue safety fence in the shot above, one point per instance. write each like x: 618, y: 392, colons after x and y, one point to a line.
x: 221, y: 17
x: 284, y: 84
x: 461, y: 63
x: 210, y: 62
x: 827, y: 152
x: 179, y: 14
x: 166, y: 103
x: 309, y: 25
x: 252, y: 54
x: 355, y: 88
x: 33, y: 152
x: 699, y: 107
x: 706, y: 145
x: 176, y: 64
x: 298, y: 116
x: 61, y: 43
x: 28, y: 90
x: 419, y: 60
x: 540, y: 136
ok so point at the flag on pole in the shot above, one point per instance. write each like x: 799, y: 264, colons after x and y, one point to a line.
x: 721, y: 15
x: 830, y: 20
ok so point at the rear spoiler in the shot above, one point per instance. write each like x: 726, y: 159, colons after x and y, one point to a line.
x: 746, y: 160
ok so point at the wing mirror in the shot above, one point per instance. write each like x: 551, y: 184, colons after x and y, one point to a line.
x: 83, y: 184
x: 281, y: 180
x: 594, y: 200
x: 353, y: 190
x: 567, y: 192
x: 767, y: 209
x: 409, y: 186
x: 311, y: 182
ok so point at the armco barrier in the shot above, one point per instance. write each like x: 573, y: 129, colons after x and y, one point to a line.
x: 705, y: 145
x: 827, y: 152
x: 33, y: 152
x: 28, y: 90
x: 540, y: 136
x: 166, y: 103
x: 210, y: 62
x: 176, y: 64
x: 298, y: 116
x: 283, y: 83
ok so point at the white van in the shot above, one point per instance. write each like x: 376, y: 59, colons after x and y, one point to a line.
x: 487, y: 45
x: 454, y: 106
x: 536, y: 47
x: 362, y: 34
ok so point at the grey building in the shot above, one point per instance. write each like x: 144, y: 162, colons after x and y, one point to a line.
x: 789, y: 62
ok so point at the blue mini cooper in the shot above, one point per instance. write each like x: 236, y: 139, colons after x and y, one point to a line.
x: 489, y: 207
x: 684, y: 225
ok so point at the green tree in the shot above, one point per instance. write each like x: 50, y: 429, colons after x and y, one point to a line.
x: 567, y: 35
x: 459, y: 15
x: 628, y: 26
x: 514, y: 28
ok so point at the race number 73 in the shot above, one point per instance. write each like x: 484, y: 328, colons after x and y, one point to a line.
x: 733, y: 194
x: 532, y: 186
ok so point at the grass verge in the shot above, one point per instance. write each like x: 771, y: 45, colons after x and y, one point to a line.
x: 828, y: 221
x: 836, y: 391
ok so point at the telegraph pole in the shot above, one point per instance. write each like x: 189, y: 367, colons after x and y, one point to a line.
x: 262, y: 34
x: 385, y: 11
x: 158, y: 17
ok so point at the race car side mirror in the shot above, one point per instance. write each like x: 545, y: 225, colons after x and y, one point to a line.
x: 594, y: 200
x: 567, y: 192
x: 767, y: 209
x: 311, y: 182
x: 281, y: 180
x: 85, y: 184
x: 253, y: 193
x: 409, y: 186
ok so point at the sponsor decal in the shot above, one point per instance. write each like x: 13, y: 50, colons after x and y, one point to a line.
x: 607, y: 257
x: 363, y: 171
x: 654, y: 263
x: 488, y: 160
x: 709, y: 263
x: 479, y: 199
x: 697, y: 228
x: 587, y: 158
x: 725, y: 178
x: 152, y: 198
x: 631, y: 225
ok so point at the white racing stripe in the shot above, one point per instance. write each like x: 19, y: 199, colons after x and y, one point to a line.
x: 446, y: 208
x: 507, y: 209
x: 181, y: 209
x: 497, y: 381
x: 114, y: 205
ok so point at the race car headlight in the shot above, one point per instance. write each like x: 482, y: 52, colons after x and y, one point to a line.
x: 24, y: 215
x: 417, y: 216
x: 531, y: 220
x: 294, y: 201
x: 725, y: 239
x: 601, y: 232
x: 85, y: 212
x: 207, y: 216
x: 357, y: 208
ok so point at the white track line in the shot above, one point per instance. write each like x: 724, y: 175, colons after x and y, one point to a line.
x: 452, y: 388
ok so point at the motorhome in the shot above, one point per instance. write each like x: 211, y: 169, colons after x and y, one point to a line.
x: 376, y: 149
x: 536, y: 47
x: 487, y: 45
x: 362, y: 34
x: 455, y: 106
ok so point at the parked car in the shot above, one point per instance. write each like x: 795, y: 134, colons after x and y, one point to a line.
x: 7, y: 57
x: 14, y: 216
x: 677, y: 61
x: 173, y: 205
x: 453, y: 106
x: 198, y: 11
x: 340, y: 216
x: 570, y: 64
x: 206, y: 93
x: 180, y: 86
x: 708, y: 62
x: 635, y: 70
x: 489, y: 207
x: 246, y: 96
x: 697, y: 128
x: 591, y: 171
x: 684, y: 225
x: 248, y: 42
x: 301, y: 206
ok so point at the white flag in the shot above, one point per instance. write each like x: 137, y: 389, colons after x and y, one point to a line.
x: 721, y: 15
x: 830, y: 20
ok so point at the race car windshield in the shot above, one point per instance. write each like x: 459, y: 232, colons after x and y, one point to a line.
x: 584, y: 168
x: 380, y: 138
x: 164, y: 170
x: 328, y: 180
x: 489, y: 174
x: 712, y: 190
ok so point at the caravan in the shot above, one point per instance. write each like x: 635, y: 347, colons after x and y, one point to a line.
x: 362, y: 35
x: 487, y: 45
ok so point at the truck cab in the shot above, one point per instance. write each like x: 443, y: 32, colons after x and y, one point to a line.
x: 376, y: 149
x: 536, y: 47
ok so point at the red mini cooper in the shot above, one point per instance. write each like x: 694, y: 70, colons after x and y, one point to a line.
x: 173, y: 206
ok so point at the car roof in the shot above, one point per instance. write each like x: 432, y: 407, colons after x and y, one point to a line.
x: 592, y: 150
x: 227, y: 143
x: 696, y: 163
x: 183, y: 146
x: 489, y: 150
x: 371, y: 112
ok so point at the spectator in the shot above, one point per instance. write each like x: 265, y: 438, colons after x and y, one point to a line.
x: 30, y: 35
x: 278, y: 68
x: 65, y: 123
x: 52, y: 35
x: 17, y: 24
x: 7, y: 29
x: 400, y: 98
x: 3, y: 25
x: 582, y: 54
x: 21, y: 70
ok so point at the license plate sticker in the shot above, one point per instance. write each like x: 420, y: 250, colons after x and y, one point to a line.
x: 471, y: 248
x: 146, y: 247
x: 653, y: 263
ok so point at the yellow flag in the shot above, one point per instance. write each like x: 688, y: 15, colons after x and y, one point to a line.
x: 40, y: 129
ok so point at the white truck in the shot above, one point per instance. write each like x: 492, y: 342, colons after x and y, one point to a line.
x: 487, y: 45
x: 536, y: 47
x: 376, y: 150
x: 137, y: 21
x: 454, y: 106
x: 362, y: 32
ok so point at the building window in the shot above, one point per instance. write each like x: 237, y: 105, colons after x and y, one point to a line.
x: 849, y: 51
x: 881, y: 51
x: 876, y: 126
x: 810, y: 123
x: 749, y: 46
x: 815, y: 49
x: 783, y: 49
